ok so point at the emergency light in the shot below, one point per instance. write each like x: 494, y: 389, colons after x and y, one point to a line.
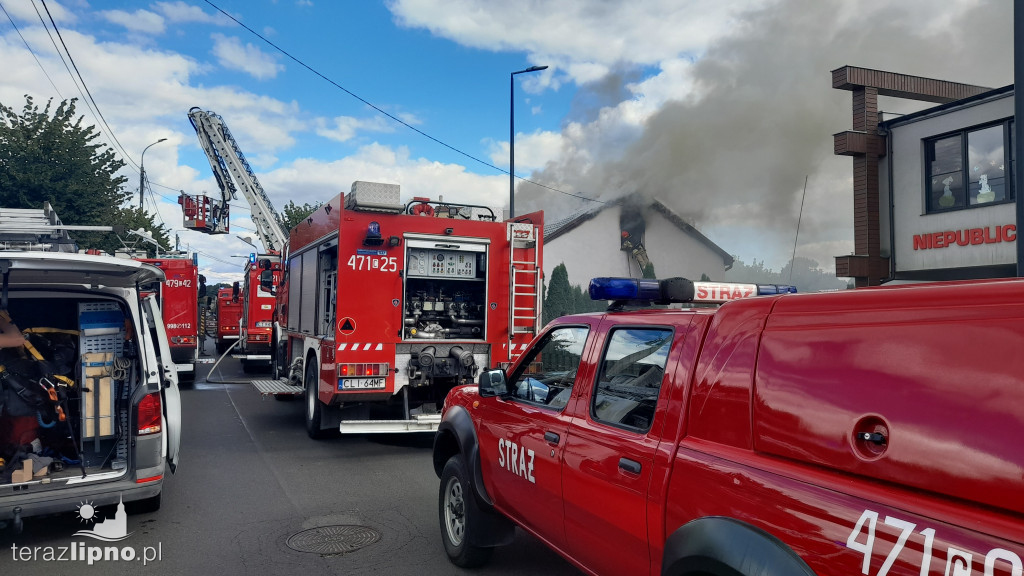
x: 373, y: 236
x: 678, y: 290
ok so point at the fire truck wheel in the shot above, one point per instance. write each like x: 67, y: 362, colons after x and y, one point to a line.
x: 458, y: 515
x: 314, y: 409
x: 278, y: 362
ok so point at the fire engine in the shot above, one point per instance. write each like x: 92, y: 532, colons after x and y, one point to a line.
x: 257, y: 310
x: 179, y: 301
x: 229, y: 313
x: 386, y: 306
x: 210, y: 216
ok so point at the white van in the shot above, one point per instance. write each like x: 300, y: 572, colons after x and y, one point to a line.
x: 98, y: 419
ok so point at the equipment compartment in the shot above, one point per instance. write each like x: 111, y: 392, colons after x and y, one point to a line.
x: 445, y: 293
x: 86, y: 375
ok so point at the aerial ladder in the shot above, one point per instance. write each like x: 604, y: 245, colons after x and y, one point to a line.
x: 233, y: 173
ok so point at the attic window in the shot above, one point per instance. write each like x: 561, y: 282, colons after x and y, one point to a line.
x: 632, y: 227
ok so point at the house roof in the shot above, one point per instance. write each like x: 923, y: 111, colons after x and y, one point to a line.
x: 565, y: 225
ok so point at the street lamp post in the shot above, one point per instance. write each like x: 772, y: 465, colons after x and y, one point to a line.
x: 142, y: 170
x: 248, y: 240
x: 512, y: 138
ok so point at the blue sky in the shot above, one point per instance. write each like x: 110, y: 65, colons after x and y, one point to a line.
x: 721, y: 109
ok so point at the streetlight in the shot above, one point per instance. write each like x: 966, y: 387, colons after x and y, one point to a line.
x: 512, y: 138
x: 142, y: 170
x: 248, y: 240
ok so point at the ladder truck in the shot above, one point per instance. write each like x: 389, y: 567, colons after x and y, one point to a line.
x: 210, y: 216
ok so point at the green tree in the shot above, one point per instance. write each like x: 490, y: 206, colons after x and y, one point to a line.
x: 50, y: 155
x: 294, y: 214
x: 559, y: 299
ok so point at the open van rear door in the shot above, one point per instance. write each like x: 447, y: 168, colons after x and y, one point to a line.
x: 168, y: 380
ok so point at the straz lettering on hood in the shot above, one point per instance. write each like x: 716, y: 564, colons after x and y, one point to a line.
x: 516, y: 459
x: 956, y: 562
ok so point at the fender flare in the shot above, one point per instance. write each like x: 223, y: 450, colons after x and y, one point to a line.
x: 728, y: 547
x: 456, y: 435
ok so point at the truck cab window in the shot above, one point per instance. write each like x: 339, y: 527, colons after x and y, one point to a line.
x: 550, y: 368
x: 632, y: 369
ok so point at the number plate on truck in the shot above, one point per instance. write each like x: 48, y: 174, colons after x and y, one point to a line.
x: 350, y: 383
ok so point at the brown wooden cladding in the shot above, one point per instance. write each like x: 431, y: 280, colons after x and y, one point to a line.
x: 903, y: 85
x: 856, y: 143
x: 865, y: 145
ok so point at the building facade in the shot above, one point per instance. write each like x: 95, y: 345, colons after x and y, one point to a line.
x: 933, y: 190
x: 623, y: 238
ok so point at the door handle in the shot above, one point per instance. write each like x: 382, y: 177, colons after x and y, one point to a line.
x: 629, y: 465
x: 551, y: 437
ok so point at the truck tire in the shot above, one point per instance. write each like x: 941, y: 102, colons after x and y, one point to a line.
x: 278, y: 361
x: 314, y: 409
x: 458, y: 516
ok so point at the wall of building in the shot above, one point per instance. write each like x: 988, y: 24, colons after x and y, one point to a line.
x: 676, y: 253
x: 909, y: 189
x: 591, y: 249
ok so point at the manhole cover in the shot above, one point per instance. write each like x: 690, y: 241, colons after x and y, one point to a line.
x: 333, y: 539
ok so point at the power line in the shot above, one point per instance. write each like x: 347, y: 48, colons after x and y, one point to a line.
x: 32, y: 52
x: 385, y: 113
x: 79, y: 74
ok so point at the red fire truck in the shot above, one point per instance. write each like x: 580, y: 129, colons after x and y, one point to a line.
x: 257, y: 310
x: 385, y: 307
x: 229, y: 312
x: 179, y: 301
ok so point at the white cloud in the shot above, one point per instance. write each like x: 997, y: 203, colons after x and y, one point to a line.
x: 580, y: 37
x: 344, y: 128
x: 533, y: 151
x: 310, y: 180
x: 142, y: 21
x: 248, y: 58
x: 26, y: 12
x: 180, y: 12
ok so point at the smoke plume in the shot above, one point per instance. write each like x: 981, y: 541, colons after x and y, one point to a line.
x: 733, y: 152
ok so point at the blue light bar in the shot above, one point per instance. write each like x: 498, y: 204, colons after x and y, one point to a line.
x: 624, y: 289
x: 768, y: 289
x: 252, y: 257
x: 678, y: 290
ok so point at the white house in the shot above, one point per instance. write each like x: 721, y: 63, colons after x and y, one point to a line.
x: 615, y: 238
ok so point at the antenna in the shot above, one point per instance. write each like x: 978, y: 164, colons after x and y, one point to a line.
x: 792, y: 259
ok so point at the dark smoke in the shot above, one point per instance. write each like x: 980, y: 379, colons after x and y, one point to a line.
x: 764, y: 118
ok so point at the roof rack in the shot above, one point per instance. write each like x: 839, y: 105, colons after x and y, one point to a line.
x: 38, y: 230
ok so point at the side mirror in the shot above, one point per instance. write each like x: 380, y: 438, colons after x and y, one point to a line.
x: 236, y: 290
x: 267, y: 280
x: 492, y: 383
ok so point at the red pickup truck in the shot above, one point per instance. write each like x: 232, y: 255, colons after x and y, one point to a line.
x: 874, y: 431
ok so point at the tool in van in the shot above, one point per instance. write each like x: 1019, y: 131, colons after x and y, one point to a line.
x: 51, y: 391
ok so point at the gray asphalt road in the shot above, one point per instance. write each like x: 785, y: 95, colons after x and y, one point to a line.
x: 249, y: 479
